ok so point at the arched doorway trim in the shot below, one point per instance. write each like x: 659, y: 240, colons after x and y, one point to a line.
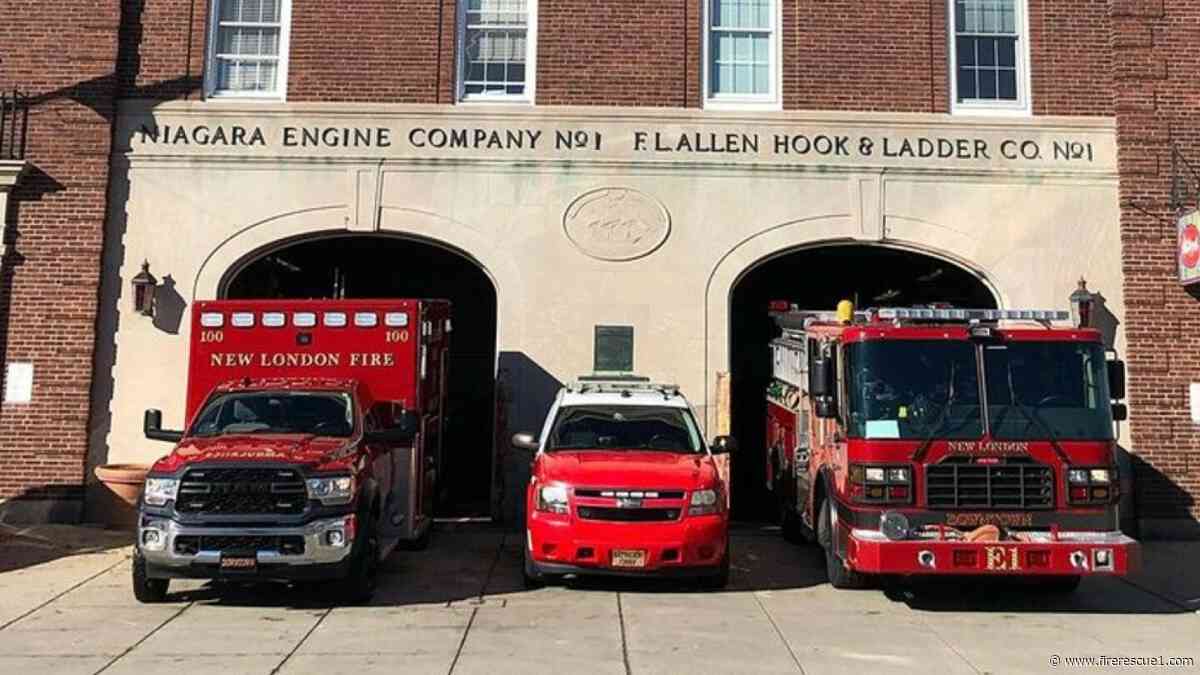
x: 805, y: 234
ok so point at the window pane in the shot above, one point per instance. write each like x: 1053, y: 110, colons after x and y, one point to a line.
x: 986, y: 51
x: 741, y: 13
x: 966, y: 84
x: 987, y: 84
x: 985, y: 16
x: 1008, y: 85
x: 761, y: 82
x: 965, y: 47
x: 1007, y: 52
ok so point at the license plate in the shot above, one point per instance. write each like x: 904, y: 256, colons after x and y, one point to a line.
x: 628, y: 558
x: 242, y: 564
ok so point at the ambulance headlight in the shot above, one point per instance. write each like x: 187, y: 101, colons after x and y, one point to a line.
x: 331, y: 490
x: 552, y: 498
x: 159, y: 491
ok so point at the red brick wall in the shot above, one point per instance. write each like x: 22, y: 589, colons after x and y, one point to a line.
x: 62, y: 54
x: 372, y: 50
x: 1157, y: 101
x: 1070, y: 57
x: 162, y: 48
x: 622, y: 52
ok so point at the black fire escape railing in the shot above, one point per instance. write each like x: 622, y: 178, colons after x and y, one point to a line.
x: 14, y: 124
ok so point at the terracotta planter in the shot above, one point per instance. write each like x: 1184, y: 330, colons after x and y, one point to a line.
x: 117, y: 502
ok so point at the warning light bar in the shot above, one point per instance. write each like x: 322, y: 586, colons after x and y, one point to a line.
x: 304, y: 319
x: 956, y: 314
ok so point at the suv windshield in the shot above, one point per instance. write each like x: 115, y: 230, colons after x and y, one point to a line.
x: 913, y: 389
x: 276, y: 412
x: 625, y: 427
x: 1061, y: 386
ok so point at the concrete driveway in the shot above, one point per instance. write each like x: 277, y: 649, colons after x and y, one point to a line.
x: 459, y: 608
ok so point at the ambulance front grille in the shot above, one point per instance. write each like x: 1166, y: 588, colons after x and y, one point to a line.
x: 236, y: 491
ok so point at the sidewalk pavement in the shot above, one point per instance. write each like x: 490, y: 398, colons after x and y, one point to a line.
x: 66, y: 607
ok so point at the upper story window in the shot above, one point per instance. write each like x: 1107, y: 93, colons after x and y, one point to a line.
x: 989, y: 56
x: 498, y: 45
x: 742, y: 53
x: 248, y: 48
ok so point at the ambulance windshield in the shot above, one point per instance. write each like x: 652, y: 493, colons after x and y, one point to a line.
x: 624, y: 427
x: 276, y: 412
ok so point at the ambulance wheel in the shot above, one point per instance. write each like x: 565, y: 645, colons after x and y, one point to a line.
x: 835, y: 568
x: 145, y: 589
x: 1059, y: 585
x: 359, y: 584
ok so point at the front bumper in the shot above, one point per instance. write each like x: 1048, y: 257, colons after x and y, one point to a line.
x: 1068, y: 553
x: 695, y: 545
x: 320, y: 559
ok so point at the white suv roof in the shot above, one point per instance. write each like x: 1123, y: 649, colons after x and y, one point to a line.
x: 622, y: 392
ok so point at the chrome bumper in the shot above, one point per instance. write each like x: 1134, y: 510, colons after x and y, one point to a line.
x: 317, y: 549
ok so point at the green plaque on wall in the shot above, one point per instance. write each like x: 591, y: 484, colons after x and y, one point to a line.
x: 614, y: 349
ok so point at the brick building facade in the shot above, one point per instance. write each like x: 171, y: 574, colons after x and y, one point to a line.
x: 1079, y: 63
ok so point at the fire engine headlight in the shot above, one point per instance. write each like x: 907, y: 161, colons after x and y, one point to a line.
x: 331, y: 490
x: 1099, y: 475
x: 1077, y: 476
x: 897, y: 475
x: 159, y: 491
x: 552, y: 498
x: 705, y: 502
x: 875, y: 474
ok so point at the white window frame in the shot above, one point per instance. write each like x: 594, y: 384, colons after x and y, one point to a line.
x: 770, y: 101
x: 1023, y: 105
x: 210, y: 57
x: 530, y: 95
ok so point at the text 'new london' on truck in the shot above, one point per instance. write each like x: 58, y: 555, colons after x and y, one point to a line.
x: 932, y: 441
x: 312, y: 445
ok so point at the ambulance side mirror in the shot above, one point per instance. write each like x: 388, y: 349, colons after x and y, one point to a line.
x: 1116, y: 379
x: 152, y: 428
x: 405, y: 429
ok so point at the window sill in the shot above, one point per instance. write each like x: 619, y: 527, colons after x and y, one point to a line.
x: 497, y: 100
x: 743, y: 104
x: 246, y: 97
x: 989, y: 110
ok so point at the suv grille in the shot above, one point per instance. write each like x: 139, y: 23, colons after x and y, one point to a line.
x: 628, y: 515
x: 989, y: 486
x: 277, y: 490
x: 193, y: 544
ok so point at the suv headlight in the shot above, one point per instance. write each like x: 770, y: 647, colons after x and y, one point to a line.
x: 552, y: 498
x: 705, y: 502
x: 331, y: 490
x: 159, y: 491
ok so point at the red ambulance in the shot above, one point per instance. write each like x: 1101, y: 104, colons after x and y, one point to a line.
x: 312, y: 445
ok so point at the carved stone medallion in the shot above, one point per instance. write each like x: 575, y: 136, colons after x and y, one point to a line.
x: 616, y: 224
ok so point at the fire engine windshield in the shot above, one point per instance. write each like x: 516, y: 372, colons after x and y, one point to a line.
x: 1041, y: 389
x: 913, y: 389
x: 624, y: 427
x: 276, y: 412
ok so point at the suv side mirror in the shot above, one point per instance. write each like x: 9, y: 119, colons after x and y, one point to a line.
x: 1116, y: 379
x: 525, y: 441
x: 152, y: 428
x: 724, y: 445
x: 405, y: 429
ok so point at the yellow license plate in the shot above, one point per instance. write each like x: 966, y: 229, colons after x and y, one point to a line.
x: 628, y: 558
x: 238, y: 563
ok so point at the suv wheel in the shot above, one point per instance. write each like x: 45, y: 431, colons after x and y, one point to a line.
x: 146, y: 589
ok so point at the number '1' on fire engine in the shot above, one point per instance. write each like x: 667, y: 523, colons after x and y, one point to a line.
x: 930, y: 441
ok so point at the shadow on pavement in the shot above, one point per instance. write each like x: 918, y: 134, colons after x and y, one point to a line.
x: 26, y: 546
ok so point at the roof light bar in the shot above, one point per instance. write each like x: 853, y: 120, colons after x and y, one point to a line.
x: 954, y: 314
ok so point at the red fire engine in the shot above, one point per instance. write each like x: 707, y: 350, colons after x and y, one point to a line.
x: 932, y: 441
x: 312, y: 444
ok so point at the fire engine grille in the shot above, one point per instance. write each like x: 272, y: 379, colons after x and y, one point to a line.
x: 989, y: 486
x: 193, y: 544
x: 242, y: 491
x: 628, y: 515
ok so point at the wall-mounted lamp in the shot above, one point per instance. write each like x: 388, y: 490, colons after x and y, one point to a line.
x: 143, y: 290
x: 1082, y: 303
